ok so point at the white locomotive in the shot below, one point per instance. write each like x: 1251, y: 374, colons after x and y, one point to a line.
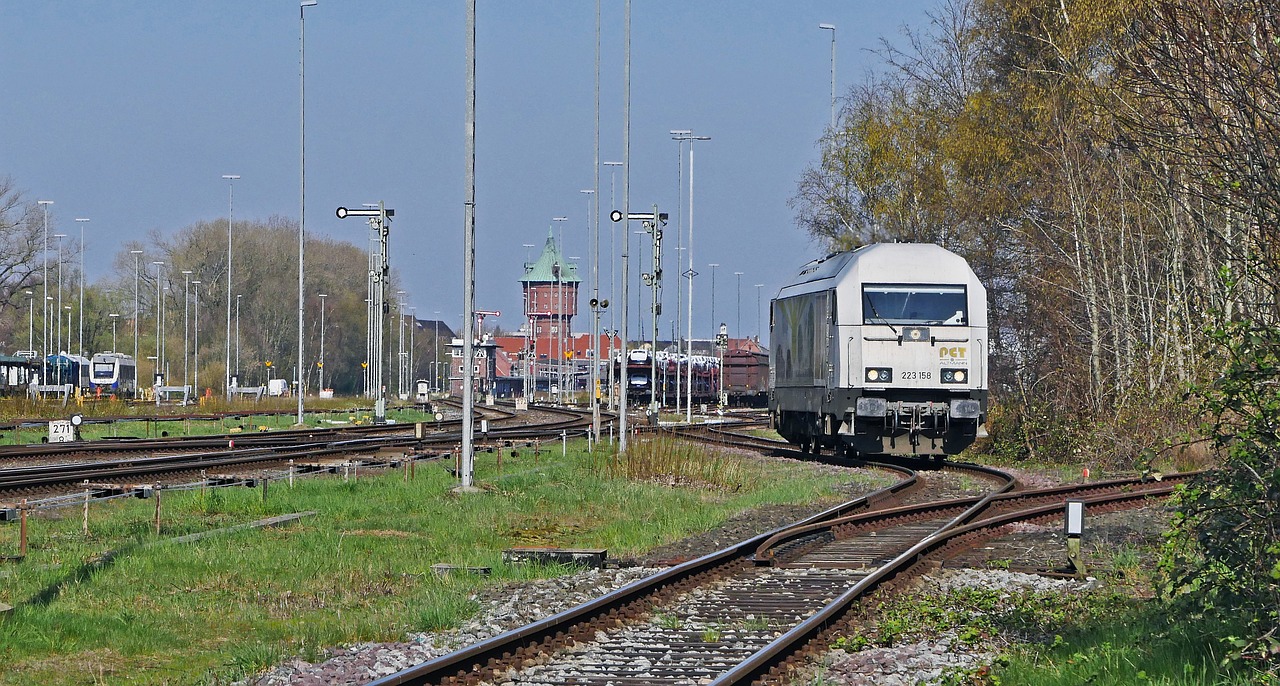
x: 880, y: 350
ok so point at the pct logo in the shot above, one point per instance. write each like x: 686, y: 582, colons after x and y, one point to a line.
x: 956, y: 353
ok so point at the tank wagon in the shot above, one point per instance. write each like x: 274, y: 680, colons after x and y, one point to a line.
x: 880, y: 351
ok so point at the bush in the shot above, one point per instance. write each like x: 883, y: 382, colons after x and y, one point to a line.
x: 1222, y: 560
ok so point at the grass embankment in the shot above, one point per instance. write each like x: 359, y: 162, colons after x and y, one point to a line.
x: 221, y: 608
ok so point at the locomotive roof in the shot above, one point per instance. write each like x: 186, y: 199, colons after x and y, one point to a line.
x: 883, y: 263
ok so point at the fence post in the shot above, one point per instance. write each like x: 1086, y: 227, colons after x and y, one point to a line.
x: 157, y: 492
x: 84, y: 527
x: 22, y: 529
x: 290, y: 472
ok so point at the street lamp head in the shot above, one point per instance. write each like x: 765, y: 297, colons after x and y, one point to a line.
x: 612, y: 164
x: 310, y: 3
x: 828, y: 27
x: 587, y: 191
x: 135, y: 252
x: 186, y: 271
x: 231, y: 177
x: 559, y: 219
x: 322, y: 295
x: 81, y: 219
x: 59, y: 235
x: 113, y: 315
x: 44, y: 202
x: 680, y: 132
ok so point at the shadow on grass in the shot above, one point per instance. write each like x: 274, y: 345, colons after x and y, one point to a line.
x: 81, y: 574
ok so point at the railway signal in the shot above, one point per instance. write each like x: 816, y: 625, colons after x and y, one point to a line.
x: 379, y: 217
x: 653, y: 223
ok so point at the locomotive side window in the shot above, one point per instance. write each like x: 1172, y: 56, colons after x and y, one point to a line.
x: 914, y: 304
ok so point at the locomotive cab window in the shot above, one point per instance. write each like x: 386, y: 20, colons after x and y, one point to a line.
x: 914, y: 304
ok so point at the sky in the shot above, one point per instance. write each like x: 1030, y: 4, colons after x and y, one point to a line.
x: 129, y: 112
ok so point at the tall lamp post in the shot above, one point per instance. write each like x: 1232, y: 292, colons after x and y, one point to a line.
x: 613, y: 285
x: 302, y: 175
x: 31, y: 321
x: 832, y: 29
x: 186, y: 319
x: 159, y: 323
x: 80, y: 338
x: 758, y: 287
x: 688, y: 417
x: 195, y: 337
x: 435, y: 354
x: 596, y: 304
x: 714, y: 266
x: 58, y: 329
x: 226, y: 378
x: 113, y: 316
x: 137, y: 260
x: 737, y: 326
x: 559, y: 270
x: 44, y: 324
x: 238, y: 296
x: 323, y: 296
x: 400, y: 357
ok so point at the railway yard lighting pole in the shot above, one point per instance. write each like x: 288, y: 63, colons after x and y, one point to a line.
x: 435, y: 354
x: 738, y: 323
x: 159, y: 323
x: 31, y: 321
x: 713, y: 266
x: 593, y: 393
x: 758, y: 287
x: 113, y: 317
x: 195, y: 337
x: 400, y: 356
x: 80, y: 337
x: 613, y: 272
x: 690, y: 273
x: 137, y: 260
x: 302, y: 177
x: 231, y: 178
x: 320, y: 365
x: 59, y: 237
x: 560, y: 308
x: 186, y: 319
x: 44, y: 323
x: 238, y: 296
x: 832, y: 29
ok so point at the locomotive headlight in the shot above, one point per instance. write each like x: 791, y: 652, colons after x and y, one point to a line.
x: 879, y: 375
x: 954, y: 375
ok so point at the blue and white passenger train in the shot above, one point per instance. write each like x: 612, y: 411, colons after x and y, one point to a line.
x: 880, y: 351
x: 115, y: 373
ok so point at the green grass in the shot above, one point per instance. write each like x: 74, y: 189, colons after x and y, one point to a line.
x: 219, y: 609
x: 1144, y: 646
x: 143, y: 424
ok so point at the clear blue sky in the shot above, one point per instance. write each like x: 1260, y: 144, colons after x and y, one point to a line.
x: 129, y: 113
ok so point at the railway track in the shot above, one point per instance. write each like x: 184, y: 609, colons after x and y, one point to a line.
x: 744, y: 614
x: 306, y: 446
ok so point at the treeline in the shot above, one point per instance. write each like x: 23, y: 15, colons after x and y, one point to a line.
x: 1109, y: 168
x: 264, y: 302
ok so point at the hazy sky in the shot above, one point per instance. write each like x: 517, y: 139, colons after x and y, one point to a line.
x: 129, y: 112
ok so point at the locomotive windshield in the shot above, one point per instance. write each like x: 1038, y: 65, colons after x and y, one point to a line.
x: 914, y: 304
